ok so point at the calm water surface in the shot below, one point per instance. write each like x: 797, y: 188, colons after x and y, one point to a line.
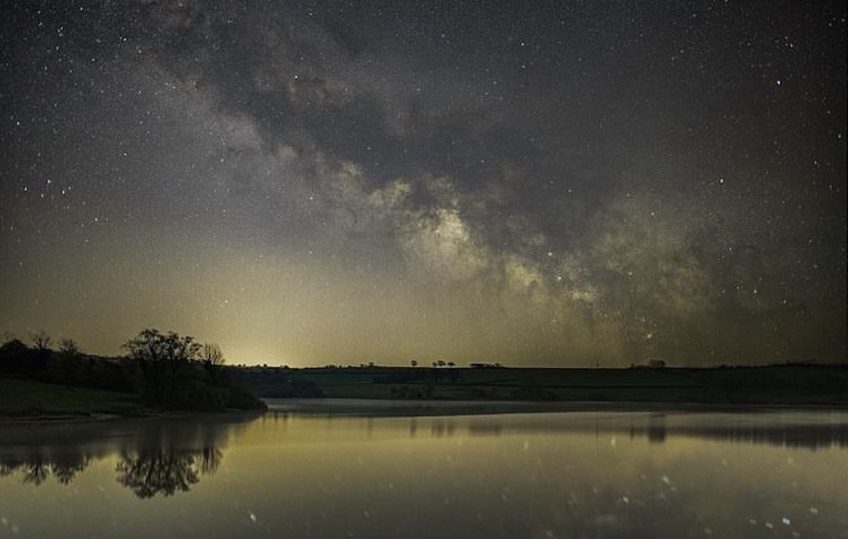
x: 289, y: 473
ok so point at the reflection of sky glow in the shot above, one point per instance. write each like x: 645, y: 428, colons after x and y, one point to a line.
x: 522, y: 475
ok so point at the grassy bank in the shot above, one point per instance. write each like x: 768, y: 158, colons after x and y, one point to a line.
x: 27, y: 398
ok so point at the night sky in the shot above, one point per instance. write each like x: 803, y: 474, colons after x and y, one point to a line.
x: 551, y: 184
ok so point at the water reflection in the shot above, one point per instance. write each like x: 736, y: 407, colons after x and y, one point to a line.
x: 37, y: 466
x: 612, y: 474
x: 657, y: 428
x: 165, y: 472
x: 779, y: 428
x: 154, y: 457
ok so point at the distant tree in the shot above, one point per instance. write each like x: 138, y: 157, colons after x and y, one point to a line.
x: 451, y: 364
x: 212, y: 358
x: 152, y: 345
x: 41, y: 340
x: 168, y: 371
x: 69, y: 360
x: 413, y: 363
x: 440, y: 363
x: 69, y: 347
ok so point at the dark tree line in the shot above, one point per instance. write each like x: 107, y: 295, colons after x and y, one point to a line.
x: 67, y: 365
x: 166, y: 370
x: 176, y: 372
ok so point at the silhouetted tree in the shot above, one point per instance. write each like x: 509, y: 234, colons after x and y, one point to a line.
x: 41, y: 340
x: 69, y: 347
x: 211, y: 354
x: 212, y: 358
x: 170, y: 372
x: 169, y: 375
x: 414, y: 363
x: 152, y: 345
x: 37, y: 363
x: 69, y: 361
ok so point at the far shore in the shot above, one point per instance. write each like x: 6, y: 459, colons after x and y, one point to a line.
x: 105, y: 416
x: 342, y: 407
x: 399, y: 408
x: 404, y: 391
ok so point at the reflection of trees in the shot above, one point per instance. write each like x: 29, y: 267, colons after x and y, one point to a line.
x: 36, y: 472
x: 36, y: 467
x: 147, y: 473
x: 166, y: 471
x: 66, y: 467
x: 793, y: 436
x: 154, y: 457
x: 660, y: 427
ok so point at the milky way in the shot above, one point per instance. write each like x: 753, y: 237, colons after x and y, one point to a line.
x: 561, y: 183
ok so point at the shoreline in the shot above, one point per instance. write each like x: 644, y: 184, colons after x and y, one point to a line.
x: 97, y: 417
x: 420, y: 408
x: 349, y: 407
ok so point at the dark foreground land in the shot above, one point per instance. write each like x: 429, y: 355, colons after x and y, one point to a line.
x: 24, y: 399
x: 779, y: 384
x: 162, y: 372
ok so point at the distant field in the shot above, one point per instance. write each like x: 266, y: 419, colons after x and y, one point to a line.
x: 21, y: 398
x: 775, y: 384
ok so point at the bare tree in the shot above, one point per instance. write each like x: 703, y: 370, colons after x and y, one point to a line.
x: 69, y: 347
x: 212, y: 358
x: 212, y: 355
x: 41, y: 340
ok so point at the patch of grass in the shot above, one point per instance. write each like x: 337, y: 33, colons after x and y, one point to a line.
x: 28, y: 398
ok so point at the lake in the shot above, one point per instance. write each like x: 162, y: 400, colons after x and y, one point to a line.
x: 352, y: 469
